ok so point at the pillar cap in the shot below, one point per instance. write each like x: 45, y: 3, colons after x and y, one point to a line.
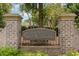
x: 69, y: 16
x: 11, y: 16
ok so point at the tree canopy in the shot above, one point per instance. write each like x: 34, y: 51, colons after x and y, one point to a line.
x: 75, y: 9
x: 45, y: 15
x: 4, y: 8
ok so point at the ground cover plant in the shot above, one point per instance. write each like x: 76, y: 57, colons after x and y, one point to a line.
x: 72, y: 53
x: 9, y: 51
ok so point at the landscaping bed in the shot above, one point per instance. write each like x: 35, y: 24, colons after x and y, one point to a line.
x: 9, y: 51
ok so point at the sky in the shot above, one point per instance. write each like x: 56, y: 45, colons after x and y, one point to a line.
x: 17, y: 10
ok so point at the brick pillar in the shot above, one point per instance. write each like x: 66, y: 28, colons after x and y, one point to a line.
x: 12, y: 30
x: 66, y: 31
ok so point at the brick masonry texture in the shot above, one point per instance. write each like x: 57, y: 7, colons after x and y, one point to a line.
x: 68, y: 33
x: 10, y: 35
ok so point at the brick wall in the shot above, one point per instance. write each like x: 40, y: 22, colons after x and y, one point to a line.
x: 10, y: 35
x: 68, y: 34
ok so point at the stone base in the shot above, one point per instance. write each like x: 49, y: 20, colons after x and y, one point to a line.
x: 50, y: 50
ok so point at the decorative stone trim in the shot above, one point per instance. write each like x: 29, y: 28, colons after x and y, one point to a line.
x: 67, y: 17
x: 10, y: 17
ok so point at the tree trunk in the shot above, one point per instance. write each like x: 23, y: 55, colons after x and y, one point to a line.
x: 40, y: 14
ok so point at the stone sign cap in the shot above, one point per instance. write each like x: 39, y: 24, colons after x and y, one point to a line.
x: 12, y: 16
x: 69, y: 16
x: 39, y: 34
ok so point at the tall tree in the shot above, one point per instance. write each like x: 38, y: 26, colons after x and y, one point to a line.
x: 29, y: 8
x: 41, y: 15
x: 52, y: 13
x: 44, y: 13
x: 75, y: 9
x: 36, y: 11
x: 4, y: 8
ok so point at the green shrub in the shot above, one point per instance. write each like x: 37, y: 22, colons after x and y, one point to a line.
x: 72, y: 53
x: 2, y: 21
x: 9, y: 51
x: 37, y: 53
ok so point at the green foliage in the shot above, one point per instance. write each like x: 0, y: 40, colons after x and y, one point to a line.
x: 9, y: 51
x: 52, y: 12
x: 75, y: 9
x: 49, y: 13
x: 4, y: 8
x: 35, y: 10
x: 37, y: 53
x: 72, y: 53
x: 23, y: 28
x: 76, y: 22
x: 2, y: 22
